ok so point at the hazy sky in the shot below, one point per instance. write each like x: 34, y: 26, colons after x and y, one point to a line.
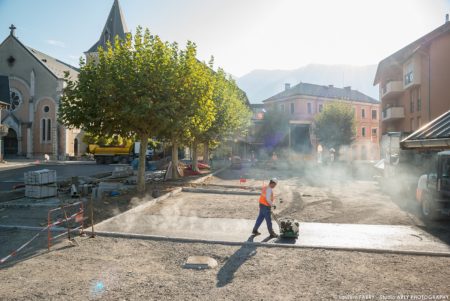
x: 241, y: 34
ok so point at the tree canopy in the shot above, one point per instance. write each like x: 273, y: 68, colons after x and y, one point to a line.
x: 335, y: 125
x: 145, y: 87
x: 274, y: 130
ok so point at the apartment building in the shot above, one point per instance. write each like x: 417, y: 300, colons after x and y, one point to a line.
x: 414, y: 82
x: 303, y: 101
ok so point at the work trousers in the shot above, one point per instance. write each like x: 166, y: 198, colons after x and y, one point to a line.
x: 264, y: 214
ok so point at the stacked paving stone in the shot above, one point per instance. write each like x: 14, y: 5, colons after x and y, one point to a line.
x: 40, y: 184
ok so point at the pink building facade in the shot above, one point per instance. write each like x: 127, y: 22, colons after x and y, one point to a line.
x: 304, y: 101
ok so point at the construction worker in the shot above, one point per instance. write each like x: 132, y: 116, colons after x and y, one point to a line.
x: 266, y: 203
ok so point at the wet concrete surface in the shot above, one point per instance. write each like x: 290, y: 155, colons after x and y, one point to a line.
x: 402, y: 239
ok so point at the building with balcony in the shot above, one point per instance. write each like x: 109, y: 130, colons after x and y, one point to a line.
x: 414, y: 82
x: 304, y: 101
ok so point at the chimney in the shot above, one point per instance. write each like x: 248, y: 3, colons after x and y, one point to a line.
x: 348, y: 88
x: 287, y: 86
x: 446, y: 18
x: 330, y: 86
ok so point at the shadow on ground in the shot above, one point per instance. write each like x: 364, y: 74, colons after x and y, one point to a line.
x: 439, y: 228
x: 12, y: 239
x: 244, y: 253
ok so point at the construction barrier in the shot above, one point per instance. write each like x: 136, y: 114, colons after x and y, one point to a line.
x: 14, y: 253
x: 47, y: 228
x: 77, y: 217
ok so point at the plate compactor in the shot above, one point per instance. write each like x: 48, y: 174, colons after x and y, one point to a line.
x: 289, y: 227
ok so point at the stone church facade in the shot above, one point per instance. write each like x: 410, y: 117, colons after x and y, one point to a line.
x: 36, y: 84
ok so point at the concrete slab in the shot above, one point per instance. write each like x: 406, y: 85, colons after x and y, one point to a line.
x: 380, y: 238
x: 220, y: 191
x: 200, y: 263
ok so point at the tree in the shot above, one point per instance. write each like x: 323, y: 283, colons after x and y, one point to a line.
x: 115, y: 140
x: 189, y: 103
x: 232, y: 114
x: 124, y: 92
x: 335, y: 125
x: 274, y: 130
x: 204, y: 112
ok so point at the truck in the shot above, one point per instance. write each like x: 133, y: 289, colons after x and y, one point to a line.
x: 117, y: 154
x: 433, y: 189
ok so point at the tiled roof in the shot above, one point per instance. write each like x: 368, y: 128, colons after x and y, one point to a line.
x: 435, y: 134
x: 324, y: 91
x: 257, y: 106
x: 54, y: 65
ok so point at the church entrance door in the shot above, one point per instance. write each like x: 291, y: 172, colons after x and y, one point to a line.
x: 11, y: 143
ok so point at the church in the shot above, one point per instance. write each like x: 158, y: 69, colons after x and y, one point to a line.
x: 35, y: 84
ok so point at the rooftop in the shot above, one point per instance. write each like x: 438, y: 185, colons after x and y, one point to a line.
x: 345, y: 93
x: 403, y: 54
x: 115, y: 26
x: 55, y: 66
x: 435, y: 134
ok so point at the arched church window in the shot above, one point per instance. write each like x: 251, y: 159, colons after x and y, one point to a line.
x: 43, y: 129
x: 46, y: 128
x: 16, y: 99
x: 49, y: 129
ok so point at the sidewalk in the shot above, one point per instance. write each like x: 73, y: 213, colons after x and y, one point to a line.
x: 354, y: 237
x: 19, y: 163
x: 15, y: 163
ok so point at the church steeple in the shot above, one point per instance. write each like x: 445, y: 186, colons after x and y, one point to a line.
x: 115, y: 26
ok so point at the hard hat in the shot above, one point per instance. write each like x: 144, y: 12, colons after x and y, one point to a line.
x: 274, y: 180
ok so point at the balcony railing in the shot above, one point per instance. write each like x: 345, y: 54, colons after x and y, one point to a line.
x: 393, y: 113
x: 391, y: 89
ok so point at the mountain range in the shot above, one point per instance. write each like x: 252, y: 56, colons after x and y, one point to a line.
x: 262, y: 84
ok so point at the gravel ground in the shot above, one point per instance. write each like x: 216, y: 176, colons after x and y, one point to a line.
x: 120, y: 269
x: 343, y: 201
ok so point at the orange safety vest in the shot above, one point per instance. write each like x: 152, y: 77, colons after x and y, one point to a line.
x: 263, y: 199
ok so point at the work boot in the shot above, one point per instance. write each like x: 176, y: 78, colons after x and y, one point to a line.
x: 273, y: 235
x: 256, y: 233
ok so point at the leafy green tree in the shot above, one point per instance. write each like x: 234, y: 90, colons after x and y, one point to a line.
x: 232, y: 113
x: 190, y: 105
x: 335, y: 125
x: 115, y: 140
x: 124, y: 92
x: 274, y: 130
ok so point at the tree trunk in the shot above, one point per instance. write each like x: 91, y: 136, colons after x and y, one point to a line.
x: 206, y: 152
x: 194, y: 155
x: 174, y: 159
x: 142, y: 163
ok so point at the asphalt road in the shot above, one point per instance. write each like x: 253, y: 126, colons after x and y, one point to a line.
x: 11, y: 177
